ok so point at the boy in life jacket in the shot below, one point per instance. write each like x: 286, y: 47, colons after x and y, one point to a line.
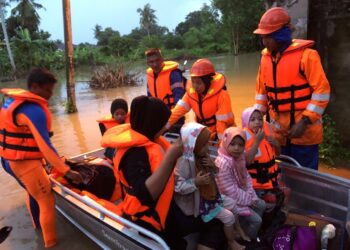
x: 261, y: 150
x: 25, y: 142
x: 119, y: 115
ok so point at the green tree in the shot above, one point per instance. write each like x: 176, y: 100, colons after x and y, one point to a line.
x: 147, y: 18
x: 25, y: 15
x: 197, y: 19
x: 240, y: 18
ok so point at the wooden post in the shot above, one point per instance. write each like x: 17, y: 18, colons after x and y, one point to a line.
x: 71, y: 102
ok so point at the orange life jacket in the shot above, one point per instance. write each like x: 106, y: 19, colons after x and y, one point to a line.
x: 205, y: 108
x: 123, y: 138
x: 108, y: 121
x: 160, y: 86
x: 263, y: 170
x: 17, y: 142
x: 287, y: 88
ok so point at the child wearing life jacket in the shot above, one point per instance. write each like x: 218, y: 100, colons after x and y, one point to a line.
x: 119, y: 115
x: 196, y: 192
x: 261, y: 148
x: 235, y: 182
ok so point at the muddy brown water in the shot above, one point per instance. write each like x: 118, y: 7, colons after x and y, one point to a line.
x: 78, y: 133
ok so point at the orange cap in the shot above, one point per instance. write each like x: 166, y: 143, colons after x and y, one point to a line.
x: 202, y: 67
x: 272, y: 20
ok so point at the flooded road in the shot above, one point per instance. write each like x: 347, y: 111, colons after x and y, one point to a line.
x: 79, y: 132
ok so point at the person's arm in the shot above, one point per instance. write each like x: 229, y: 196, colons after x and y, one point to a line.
x: 224, y: 115
x: 184, y: 184
x: 228, y: 185
x: 181, y: 109
x: 260, y: 94
x: 34, y: 117
x: 313, y: 71
x: 157, y: 181
x: 177, y: 85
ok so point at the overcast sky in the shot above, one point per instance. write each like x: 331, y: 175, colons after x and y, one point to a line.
x: 121, y: 15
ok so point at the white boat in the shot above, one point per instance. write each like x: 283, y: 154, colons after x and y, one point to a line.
x: 314, y: 195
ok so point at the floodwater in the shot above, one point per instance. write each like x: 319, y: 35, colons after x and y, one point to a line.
x: 79, y: 132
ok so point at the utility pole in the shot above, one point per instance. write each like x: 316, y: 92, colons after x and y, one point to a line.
x: 71, y: 106
x: 6, y: 38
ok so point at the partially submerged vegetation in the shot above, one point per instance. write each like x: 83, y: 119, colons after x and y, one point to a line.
x: 114, y: 76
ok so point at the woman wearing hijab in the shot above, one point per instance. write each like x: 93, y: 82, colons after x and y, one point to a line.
x: 206, y: 95
x: 141, y: 166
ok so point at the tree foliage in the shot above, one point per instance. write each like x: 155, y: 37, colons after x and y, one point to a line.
x: 148, y: 18
x: 240, y: 18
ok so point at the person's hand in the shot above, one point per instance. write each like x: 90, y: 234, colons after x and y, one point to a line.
x: 297, y: 129
x: 202, y: 179
x: 259, y: 136
x: 176, y: 149
x: 272, y: 141
x: 207, y: 162
x: 74, y: 176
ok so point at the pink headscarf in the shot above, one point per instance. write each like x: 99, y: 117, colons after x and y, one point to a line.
x: 246, y: 114
x: 240, y: 163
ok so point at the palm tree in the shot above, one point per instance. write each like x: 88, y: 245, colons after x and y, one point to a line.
x: 147, y: 18
x: 26, y: 14
x: 3, y: 24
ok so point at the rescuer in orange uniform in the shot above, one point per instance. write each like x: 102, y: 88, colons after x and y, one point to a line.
x: 292, y: 86
x: 206, y: 95
x: 24, y: 142
x: 165, y: 82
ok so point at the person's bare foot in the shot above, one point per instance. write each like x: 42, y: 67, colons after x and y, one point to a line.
x: 234, y: 245
x: 240, y: 231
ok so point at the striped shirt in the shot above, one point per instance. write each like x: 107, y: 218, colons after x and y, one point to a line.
x: 228, y: 184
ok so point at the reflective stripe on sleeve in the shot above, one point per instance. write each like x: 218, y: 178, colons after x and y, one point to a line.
x: 320, y: 97
x: 224, y: 117
x: 184, y: 105
x: 176, y: 85
x: 260, y: 97
x: 314, y: 108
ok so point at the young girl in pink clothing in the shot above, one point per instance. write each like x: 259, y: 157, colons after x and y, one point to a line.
x: 235, y: 182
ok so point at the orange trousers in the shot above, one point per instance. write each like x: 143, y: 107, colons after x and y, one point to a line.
x: 32, y: 176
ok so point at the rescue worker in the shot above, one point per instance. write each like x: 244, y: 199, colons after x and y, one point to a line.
x: 24, y: 143
x: 206, y: 95
x: 165, y: 82
x: 292, y: 87
x: 119, y: 115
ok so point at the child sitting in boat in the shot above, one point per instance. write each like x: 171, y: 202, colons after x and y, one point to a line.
x: 119, y: 115
x: 196, y: 192
x: 235, y: 182
x: 261, y: 148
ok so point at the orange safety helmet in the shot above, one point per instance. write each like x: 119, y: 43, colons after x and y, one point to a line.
x: 202, y: 67
x: 272, y: 20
